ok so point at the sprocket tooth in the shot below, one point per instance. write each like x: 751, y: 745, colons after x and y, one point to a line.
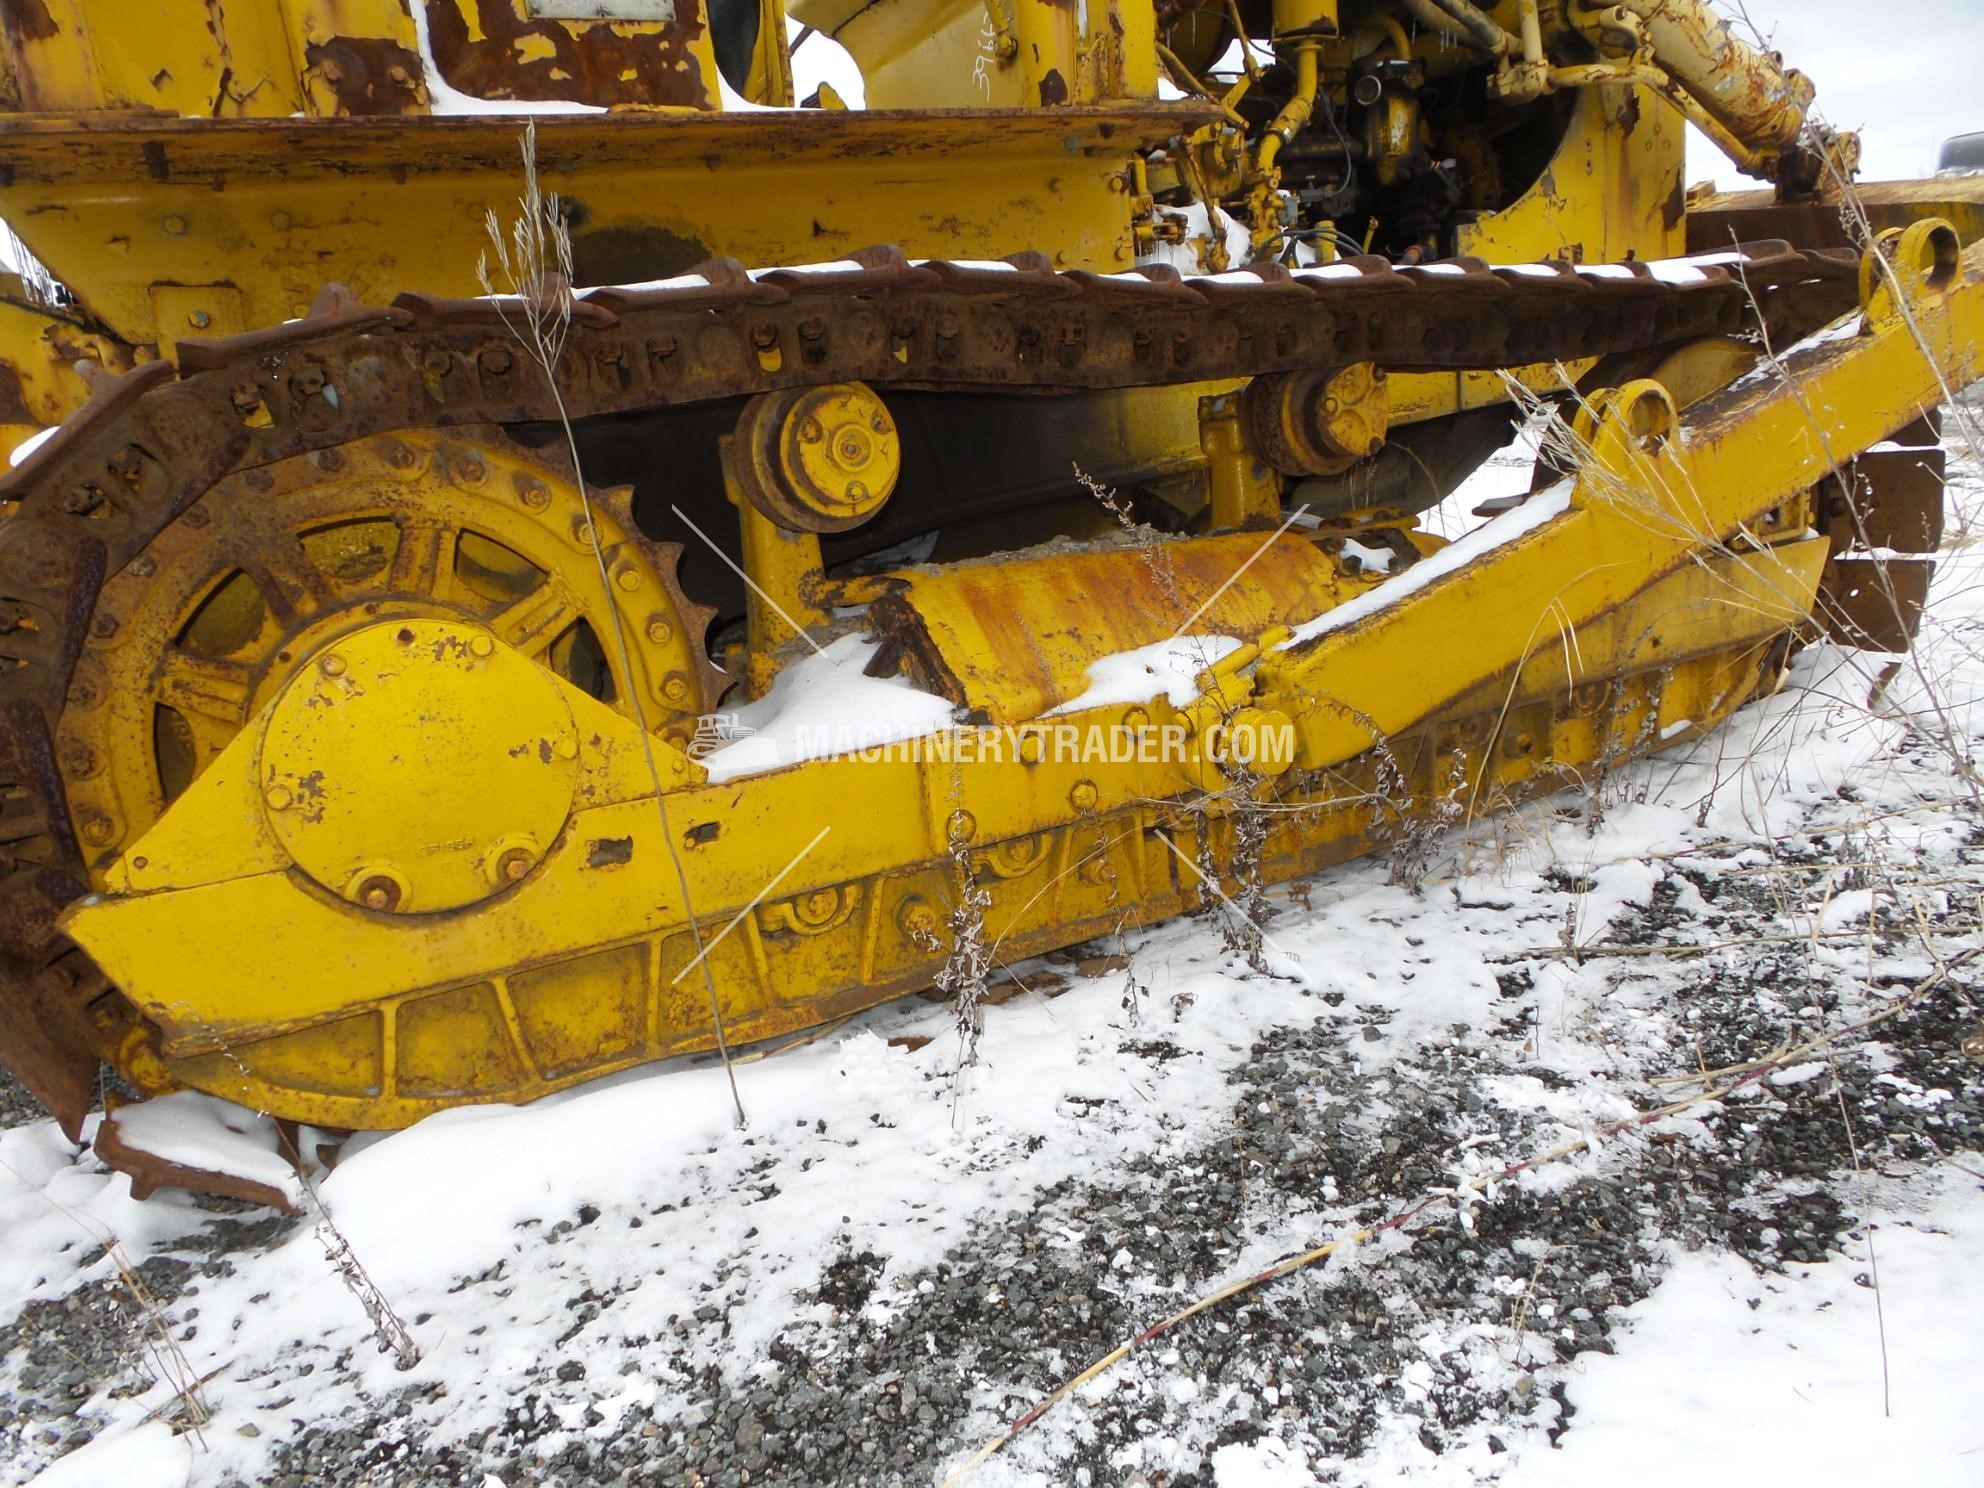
x: 695, y: 618
x: 881, y: 256
x: 722, y: 271
x: 1031, y: 261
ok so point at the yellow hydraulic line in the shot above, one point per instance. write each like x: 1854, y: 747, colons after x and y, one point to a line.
x: 1300, y: 106
x: 1756, y: 98
x: 1389, y: 30
x: 1532, y: 31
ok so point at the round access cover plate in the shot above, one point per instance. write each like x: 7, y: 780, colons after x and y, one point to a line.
x: 418, y: 765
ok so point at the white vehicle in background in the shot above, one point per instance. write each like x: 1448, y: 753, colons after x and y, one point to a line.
x: 1962, y: 155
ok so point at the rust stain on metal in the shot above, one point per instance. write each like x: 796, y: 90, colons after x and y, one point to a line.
x: 28, y: 20
x: 13, y: 400
x: 149, y: 1172
x: 369, y: 75
x: 1874, y: 604
x: 584, y: 62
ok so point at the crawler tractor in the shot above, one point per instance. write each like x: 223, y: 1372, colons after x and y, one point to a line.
x: 370, y: 611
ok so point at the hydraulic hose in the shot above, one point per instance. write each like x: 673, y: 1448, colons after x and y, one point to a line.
x: 1460, y: 17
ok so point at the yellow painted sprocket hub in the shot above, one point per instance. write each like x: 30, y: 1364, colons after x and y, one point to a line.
x: 258, y: 580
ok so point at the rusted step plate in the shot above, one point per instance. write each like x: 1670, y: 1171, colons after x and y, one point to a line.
x: 1874, y: 604
x: 1890, y: 497
x: 202, y: 1144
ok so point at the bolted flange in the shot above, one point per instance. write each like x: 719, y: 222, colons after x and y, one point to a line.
x: 1318, y: 423
x: 424, y: 771
x: 820, y: 459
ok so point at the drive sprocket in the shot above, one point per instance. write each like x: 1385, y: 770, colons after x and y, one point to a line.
x: 204, y: 625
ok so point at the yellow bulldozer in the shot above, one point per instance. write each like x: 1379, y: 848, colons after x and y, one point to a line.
x: 1037, y: 458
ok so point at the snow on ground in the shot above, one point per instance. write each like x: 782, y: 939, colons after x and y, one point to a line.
x: 895, y: 1259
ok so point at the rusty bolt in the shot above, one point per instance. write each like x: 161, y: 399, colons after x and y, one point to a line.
x: 437, y: 359
x: 81, y: 761
x: 99, y: 830
x: 764, y: 337
x: 918, y: 923
x: 104, y: 626
x: 496, y: 360
x: 470, y: 468
x: 197, y: 516
x: 812, y: 328
x: 142, y: 567
x: 675, y: 687
x: 84, y: 693
x: 330, y: 459
x: 80, y: 501
x: 582, y: 532
x: 379, y: 892
x: 397, y: 454
x: 535, y: 495
x: 278, y: 798
x: 515, y: 864
x: 308, y: 381
x: 659, y: 631
x: 332, y: 665
x: 259, y: 480
x: 1084, y: 795
x: 811, y: 432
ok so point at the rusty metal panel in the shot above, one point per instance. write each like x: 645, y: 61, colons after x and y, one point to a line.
x: 1874, y: 604
x: 1718, y: 221
x: 1011, y: 640
x: 1887, y: 498
x: 536, y: 52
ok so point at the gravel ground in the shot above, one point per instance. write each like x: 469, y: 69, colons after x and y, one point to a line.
x: 1320, y: 1139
